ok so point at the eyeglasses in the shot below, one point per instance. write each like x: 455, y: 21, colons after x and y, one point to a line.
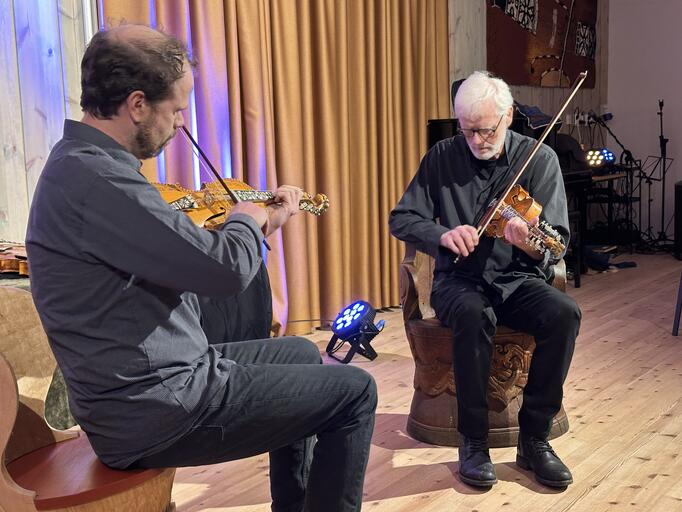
x: 484, y: 133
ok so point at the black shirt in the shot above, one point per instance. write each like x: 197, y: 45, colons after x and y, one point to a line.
x: 114, y: 275
x: 452, y: 188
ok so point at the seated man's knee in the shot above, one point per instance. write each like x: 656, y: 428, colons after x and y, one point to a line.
x: 568, y: 313
x: 306, y: 351
x: 562, y: 314
x: 365, y: 385
x: 471, y: 315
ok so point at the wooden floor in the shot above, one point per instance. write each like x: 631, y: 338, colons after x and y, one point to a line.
x: 623, y: 398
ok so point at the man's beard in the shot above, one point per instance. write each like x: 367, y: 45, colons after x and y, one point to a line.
x: 145, y: 147
x: 488, y: 152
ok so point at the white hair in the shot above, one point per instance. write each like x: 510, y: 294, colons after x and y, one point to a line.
x: 479, y: 87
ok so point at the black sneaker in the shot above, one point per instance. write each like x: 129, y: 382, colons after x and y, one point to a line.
x: 537, y: 455
x: 475, y: 467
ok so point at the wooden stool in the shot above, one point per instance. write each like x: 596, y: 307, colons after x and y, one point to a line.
x: 433, y: 413
x: 46, y: 469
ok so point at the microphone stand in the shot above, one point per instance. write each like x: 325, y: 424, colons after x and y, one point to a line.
x: 663, y: 143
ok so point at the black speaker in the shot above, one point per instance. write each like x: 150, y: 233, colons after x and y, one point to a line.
x: 439, y: 129
x: 677, y: 249
x: 521, y: 123
x: 453, y: 91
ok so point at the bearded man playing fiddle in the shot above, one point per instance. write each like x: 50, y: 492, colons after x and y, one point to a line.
x: 115, y: 274
x: 495, y: 281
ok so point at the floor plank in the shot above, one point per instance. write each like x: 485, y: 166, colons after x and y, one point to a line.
x: 623, y: 397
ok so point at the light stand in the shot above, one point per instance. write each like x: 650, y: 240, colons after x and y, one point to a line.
x: 630, y: 164
x: 355, y: 325
x: 359, y: 343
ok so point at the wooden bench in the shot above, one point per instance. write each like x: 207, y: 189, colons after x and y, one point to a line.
x: 47, y: 469
x: 433, y: 412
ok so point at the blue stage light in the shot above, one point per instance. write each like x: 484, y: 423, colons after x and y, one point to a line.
x: 608, y: 156
x: 355, y: 325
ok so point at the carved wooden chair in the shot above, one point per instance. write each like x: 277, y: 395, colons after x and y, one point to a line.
x: 46, y: 469
x: 433, y: 413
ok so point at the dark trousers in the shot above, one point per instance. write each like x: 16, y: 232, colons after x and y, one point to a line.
x: 473, y: 310
x: 278, y: 398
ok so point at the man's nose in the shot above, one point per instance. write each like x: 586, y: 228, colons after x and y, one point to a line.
x: 480, y: 137
x: 179, y: 120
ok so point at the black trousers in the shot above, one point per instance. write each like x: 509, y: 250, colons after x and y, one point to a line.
x: 315, y: 420
x: 278, y: 399
x: 473, y: 310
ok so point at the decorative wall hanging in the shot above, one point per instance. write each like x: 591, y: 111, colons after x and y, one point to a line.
x: 544, y: 43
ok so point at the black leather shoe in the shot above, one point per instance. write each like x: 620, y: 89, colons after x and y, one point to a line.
x: 475, y: 467
x: 536, y: 454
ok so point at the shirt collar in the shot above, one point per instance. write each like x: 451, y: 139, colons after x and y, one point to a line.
x: 86, y: 133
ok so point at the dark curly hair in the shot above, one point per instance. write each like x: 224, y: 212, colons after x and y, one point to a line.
x: 113, y: 67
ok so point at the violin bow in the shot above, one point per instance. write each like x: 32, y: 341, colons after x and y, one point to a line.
x: 491, y: 210
x: 203, y: 156
x: 204, y: 159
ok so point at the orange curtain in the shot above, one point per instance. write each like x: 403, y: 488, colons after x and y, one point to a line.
x: 329, y: 95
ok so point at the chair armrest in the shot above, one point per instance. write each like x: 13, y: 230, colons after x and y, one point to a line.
x: 559, y: 280
x: 416, y: 278
x: 409, y: 299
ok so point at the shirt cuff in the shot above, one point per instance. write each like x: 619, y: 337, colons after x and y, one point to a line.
x: 246, y: 220
x: 433, y: 237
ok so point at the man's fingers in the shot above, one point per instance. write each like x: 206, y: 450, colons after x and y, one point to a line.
x: 289, y: 197
x: 516, y: 231
x: 461, y: 240
x: 473, y: 232
x: 461, y: 244
x: 450, y: 244
x: 469, y: 239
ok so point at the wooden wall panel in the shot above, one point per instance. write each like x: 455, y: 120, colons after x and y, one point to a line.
x: 78, y: 22
x: 41, y: 46
x: 467, y: 33
x: 13, y: 191
x: 40, y: 77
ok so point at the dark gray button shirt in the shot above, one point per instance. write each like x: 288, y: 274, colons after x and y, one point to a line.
x: 114, y: 273
x: 452, y: 188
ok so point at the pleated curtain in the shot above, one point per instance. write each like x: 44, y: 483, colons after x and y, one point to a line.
x: 329, y: 95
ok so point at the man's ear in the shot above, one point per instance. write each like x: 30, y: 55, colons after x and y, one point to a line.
x: 137, y: 106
